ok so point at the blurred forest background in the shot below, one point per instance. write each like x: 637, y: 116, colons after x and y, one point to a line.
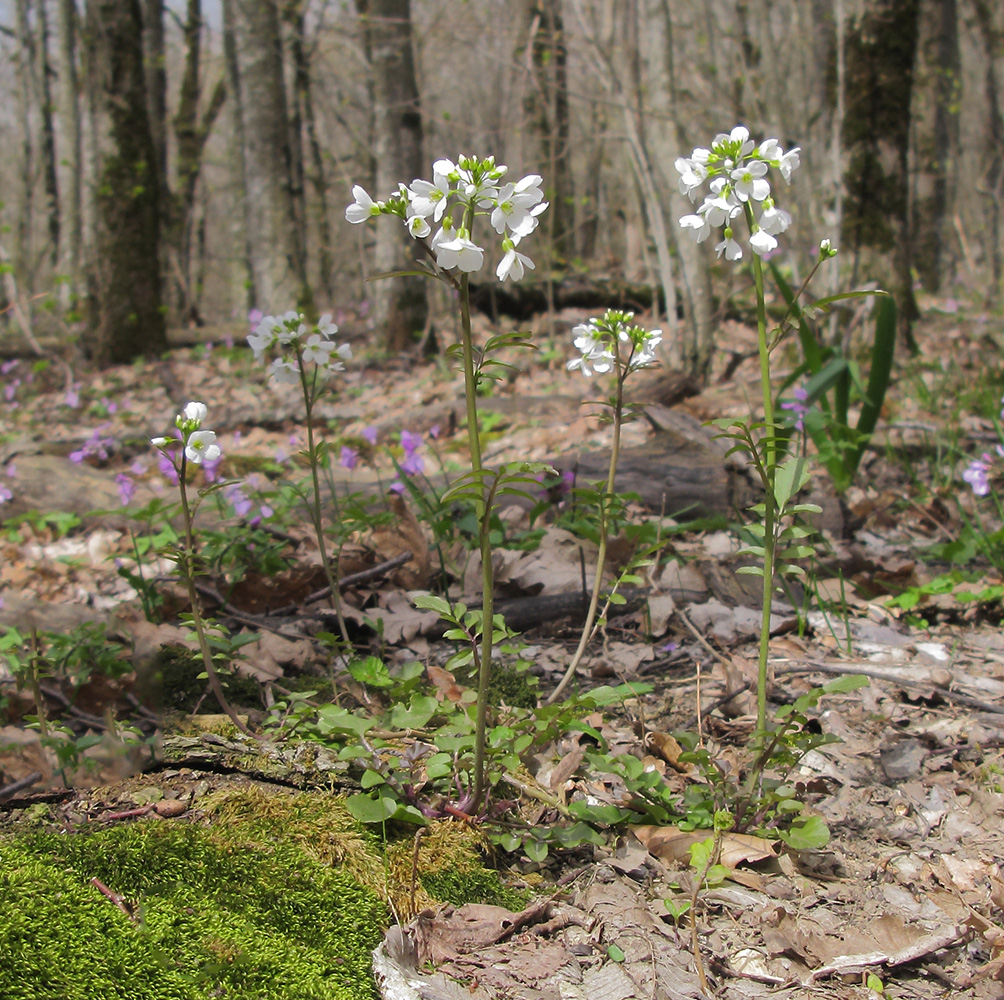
x: 183, y: 162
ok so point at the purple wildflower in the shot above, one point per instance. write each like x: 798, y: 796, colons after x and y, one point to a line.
x: 5, y: 494
x: 166, y: 468
x: 72, y: 397
x: 410, y: 442
x: 434, y: 431
x: 11, y: 470
x: 211, y: 469
x: 396, y: 487
x: 8, y: 366
x: 127, y: 488
x: 413, y: 465
x: 977, y: 475
x: 369, y: 434
x: 799, y: 406
x: 349, y: 458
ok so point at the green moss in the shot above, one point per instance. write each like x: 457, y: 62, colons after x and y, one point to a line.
x: 476, y: 885
x: 215, y: 916
x: 175, y: 685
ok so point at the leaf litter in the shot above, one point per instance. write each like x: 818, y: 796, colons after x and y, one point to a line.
x: 909, y: 889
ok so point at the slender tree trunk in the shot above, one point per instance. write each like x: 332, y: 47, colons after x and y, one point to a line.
x: 546, y: 113
x: 278, y: 262
x: 24, y: 247
x: 400, y: 304
x: 990, y: 186
x: 155, y: 70
x: 69, y: 111
x: 303, y: 90
x: 47, y: 149
x: 239, y: 212
x: 881, y: 55
x: 697, y: 348
x: 936, y: 128
x: 129, y: 321
x: 191, y: 134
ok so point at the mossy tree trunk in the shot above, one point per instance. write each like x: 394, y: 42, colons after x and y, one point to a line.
x: 881, y: 55
x: 127, y: 320
x: 400, y: 304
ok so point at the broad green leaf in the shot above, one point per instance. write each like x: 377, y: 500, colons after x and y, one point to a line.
x: 372, y: 672
x: 416, y: 715
x: 536, y: 850
x: 371, y: 779
x: 844, y: 684
x: 371, y: 808
x: 430, y: 602
x: 810, y: 835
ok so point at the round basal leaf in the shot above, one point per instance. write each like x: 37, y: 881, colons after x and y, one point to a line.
x: 536, y: 850
x: 615, y: 954
x: 370, y: 808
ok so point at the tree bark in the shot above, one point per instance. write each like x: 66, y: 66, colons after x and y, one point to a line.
x: 881, y: 55
x: 278, y: 261
x: 191, y: 134
x: 69, y: 110
x: 400, y: 304
x: 128, y: 320
x: 937, y: 130
x: 546, y: 116
x: 155, y: 71
x: 47, y: 144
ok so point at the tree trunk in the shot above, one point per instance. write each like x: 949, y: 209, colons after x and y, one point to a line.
x: 547, y: 118
x: 400, y: 304
x: 24, y: 246
x: 937, y: 130
x: 155, y: 70
x: 191, y: 134
x: 47, y: 149
x: 128, y: 320
x: 278, y: 262
x: 697, y: 349
x: 304, y: 99
x: 881, y: 54
x: 991, y: 35
x: 69, y: 110
x: 239, y: 210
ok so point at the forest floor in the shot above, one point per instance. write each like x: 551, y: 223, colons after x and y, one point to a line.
x: 907, y: 898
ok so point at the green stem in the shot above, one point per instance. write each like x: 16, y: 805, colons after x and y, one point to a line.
x: 330, y: 574
x: 601, y: 555
x: 770, y: 469
x: 187, y: 564
x: 483, y: 515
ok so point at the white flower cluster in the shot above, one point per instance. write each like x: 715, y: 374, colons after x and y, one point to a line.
x: 298, y: 344
x: 613, y: 342
x: 469, y: 187
x: 200, y: 445
x: 736, y: 169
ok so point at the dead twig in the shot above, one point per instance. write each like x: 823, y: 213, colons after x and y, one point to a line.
x: 20, y: 785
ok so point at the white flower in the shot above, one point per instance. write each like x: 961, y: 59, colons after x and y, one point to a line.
x: 363, y: 208
x: 429, y: 198
x: 284, y: 372
x: 160, y: 442
x: 512, y: 264
x: 827, y: 250
x: 518, y: 205
x: 750, y: 181
x: 699, y: 224
x: 317, y: 349
x: 325, y: 327
x: 418, y: 226
x: 762, y: 242
x: 261, y: 340
x: 788, y: 162
x: 692, y: 175
x: 344, y: 351
x: 770, y: 149
x: 718, y: 211
x: 461, y: 253
x: 201, y: 447
x: 196, y: 412
x: 774, y: 220
x: 733, y: 251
